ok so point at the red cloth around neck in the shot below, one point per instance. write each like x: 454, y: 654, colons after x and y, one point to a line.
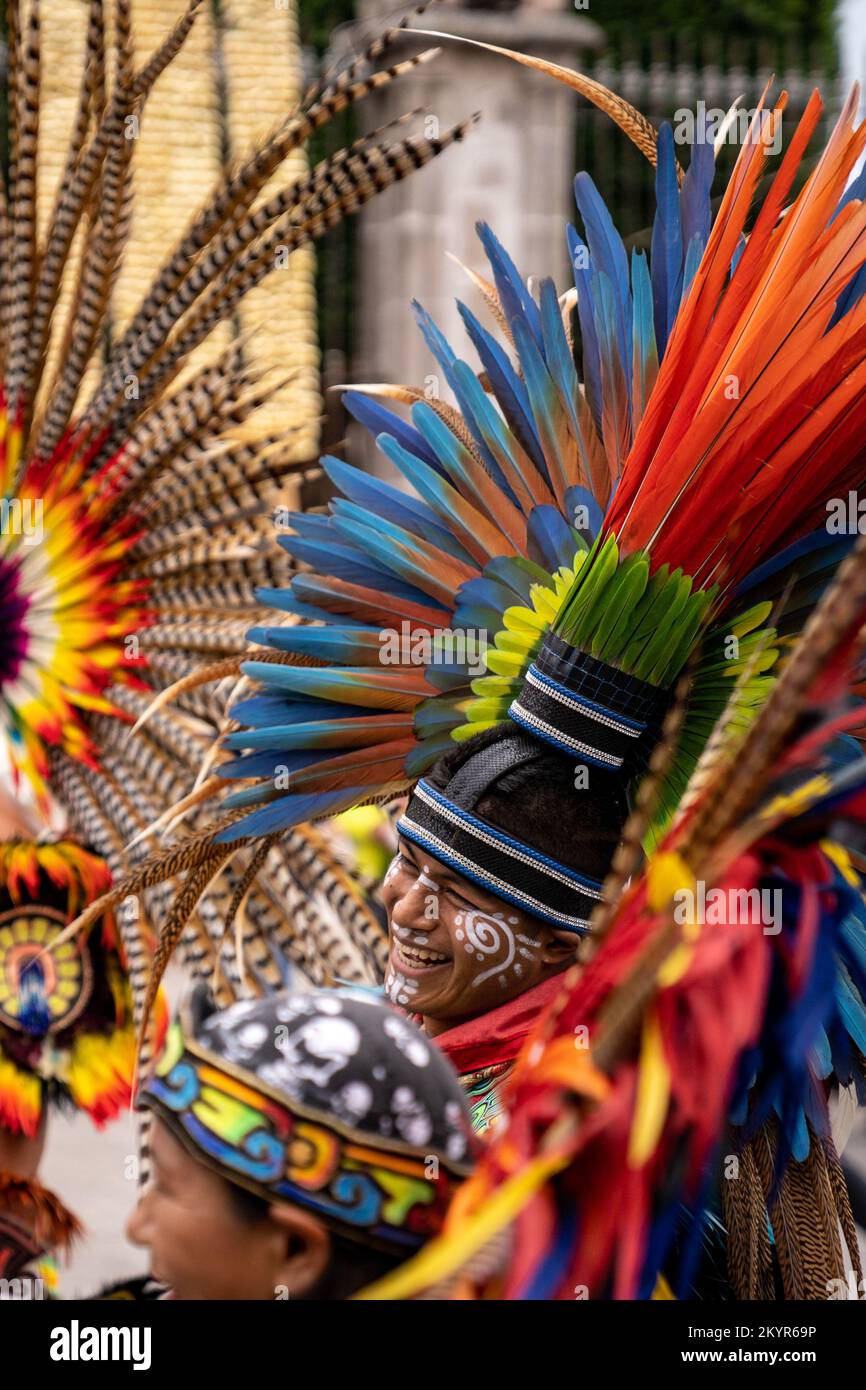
x: 498, y: 1035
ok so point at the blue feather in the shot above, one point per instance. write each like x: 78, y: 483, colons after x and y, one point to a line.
x: 439, y: 492
x: 287, y: 602
x: 560, y: 362
x: 519, y: 575
x: 644, y: 338
x: 350, y: 564
x: 851, y: 295
x: 447, y: 361
x: 341, y: 684
x: 608, y: 256
x: 377, y: 419
x: 327, y: 643
x: 401, y: 559
x: 287, y: 811
x: 419, y: 760
x: 546, y: 408
x: 694, y: 255
x: 266, y: 711
x: 816, y: 541
x: 388, y: 501
x: 517, y: 302
x: 695, y: 204
x: 578, y: 253
x: 579, y: 501
x: 853, y: 291
x: 347, y: 513
x: 317, y: 735
x: 266, y: 764
x: 507, y: 387
x: 493, y: 428
x: 850, y: 1006
x: 550, y: 539
x: 667, y: 241
x: 308, y: 526
x: 459, y: 465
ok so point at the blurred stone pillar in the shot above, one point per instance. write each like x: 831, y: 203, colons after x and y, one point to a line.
x: 514, y: 171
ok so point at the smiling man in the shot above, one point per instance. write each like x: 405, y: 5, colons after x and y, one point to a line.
x: 500, y: 865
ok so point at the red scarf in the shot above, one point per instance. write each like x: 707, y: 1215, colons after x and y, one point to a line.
x: 499, y: 1035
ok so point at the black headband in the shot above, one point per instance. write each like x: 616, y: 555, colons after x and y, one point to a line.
x: 588, y: 709
x: 512, y: 870
x: 585, y: 709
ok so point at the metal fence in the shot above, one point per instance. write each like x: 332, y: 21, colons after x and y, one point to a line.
x: 661, y: 74
x: 661, y: 80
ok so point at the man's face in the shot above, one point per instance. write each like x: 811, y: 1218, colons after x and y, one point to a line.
x: 187, y: 1220
x: 456, y: 950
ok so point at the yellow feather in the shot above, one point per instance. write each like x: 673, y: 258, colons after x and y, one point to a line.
x: 653, y: 1092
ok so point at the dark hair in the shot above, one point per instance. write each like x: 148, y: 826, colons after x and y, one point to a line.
x: 249, y: 1206
x: 352, y: 1266
x: 537, y: 802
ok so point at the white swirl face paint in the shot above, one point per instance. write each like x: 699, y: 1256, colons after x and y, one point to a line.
x: 484, y: 934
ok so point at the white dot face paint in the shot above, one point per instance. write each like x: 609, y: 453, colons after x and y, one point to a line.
x: 414, y: 938
x: 393, y: 870
x: 431, y: 895
x: 423, y: 894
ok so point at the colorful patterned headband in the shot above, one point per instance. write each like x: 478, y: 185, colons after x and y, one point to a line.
x: 66, y: 1012
x: 325, y: 1101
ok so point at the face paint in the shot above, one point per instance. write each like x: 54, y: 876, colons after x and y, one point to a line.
x: 483, y: 935
x: 415, y: 938
x: 431, y: 896
x: 398, y: 989
x: 393, y: 870
x: 457, y: 950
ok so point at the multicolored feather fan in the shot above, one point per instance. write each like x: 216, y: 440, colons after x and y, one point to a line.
x: 675, y: 1099
x: 642, y: 514
x: 131, y: 478
x: 67, y: 1031
x: 630, y: 483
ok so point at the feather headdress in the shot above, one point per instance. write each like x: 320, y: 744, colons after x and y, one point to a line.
x: 67, y: 1031
x: 604, y: 530
x: 680, y: 1083
x: 599, y: 533
x: 130, y: 478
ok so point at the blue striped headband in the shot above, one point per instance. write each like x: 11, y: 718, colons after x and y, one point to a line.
x: 505, y: 866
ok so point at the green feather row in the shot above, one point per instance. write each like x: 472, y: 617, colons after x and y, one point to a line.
x: 645, y: 625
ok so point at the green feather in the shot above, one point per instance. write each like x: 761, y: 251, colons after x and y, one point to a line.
x: 619, y: 616
x: 579, y: 606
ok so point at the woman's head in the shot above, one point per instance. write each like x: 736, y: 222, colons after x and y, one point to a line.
x: 457, y: 948
x: 362, y: 1135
